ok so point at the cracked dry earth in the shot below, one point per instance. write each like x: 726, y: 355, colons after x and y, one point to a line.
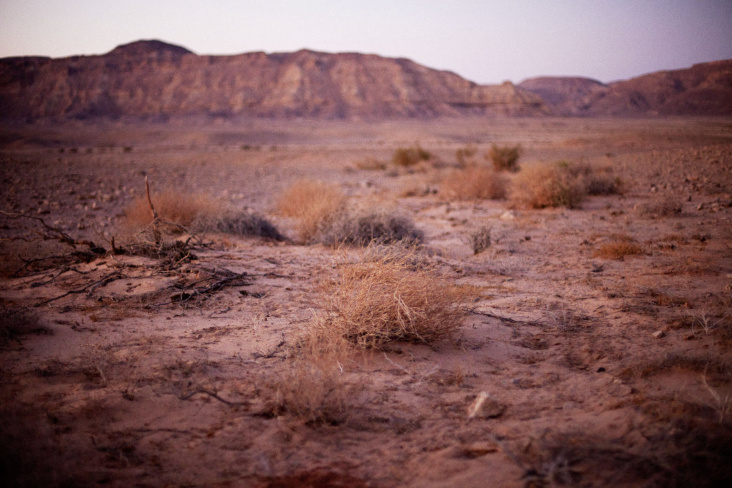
x: 569, y: 368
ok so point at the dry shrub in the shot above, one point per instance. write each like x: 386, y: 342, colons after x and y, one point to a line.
x: 601, y: 181
x: 172, y: 207
x: 664, y: 207
x: 474, y: 183
x: 393, y: 296
x: 240, y: 224
x: 504, y: 158
x: 480, y: 239
x: 16, y: 323
x: 366, y: 226
x: 547, y: 185
x: 409, y: 156
x: 313, y: 390
x: 370, y: 164
x: 465, y: 156
x: 313, y: 203
x: 684, y: 451
x: 618, y: 250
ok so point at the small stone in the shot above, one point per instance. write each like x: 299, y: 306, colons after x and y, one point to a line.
x: 485, y: 407
x: 659, y: 334
x: 507, y: 215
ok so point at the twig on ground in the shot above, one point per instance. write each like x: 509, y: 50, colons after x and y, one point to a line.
x: 56, y: 233
x: 90, y: 287
x: 500, y: 317
x: 213, y: 395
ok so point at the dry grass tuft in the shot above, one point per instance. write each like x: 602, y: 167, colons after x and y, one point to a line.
x: 480, y: 239
x: 504, y: 158
x: 370, y: 164
x: 240, y: 224
x: 388, y: 298
x: 465, y: 156
x: 664, y: 207
x: 409, y: 156
x: 547, y: 185
x: 16, y: 323
x: 367, y: 226
x: 474, y: 183
x: 618, y: 250
x: 313, y: 390
x: 172, y: 207
x: 601, y: 181
x: 313, y: 203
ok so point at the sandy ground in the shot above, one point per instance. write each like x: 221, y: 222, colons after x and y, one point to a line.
x: 594, y: 371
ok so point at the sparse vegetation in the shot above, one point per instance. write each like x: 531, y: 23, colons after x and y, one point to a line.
x: 618, y: 250
x: 465, y: 156
x: 547, y: 185
x: 16, y: 323
x: 323, y: 216
x: 313, y: 204
x: 171, y: 206
x: 504, y: 158
x: 409, y: 156
x: 387, y: 299
x: 474, y: 183
x: 240, y: 224
x: 480, y: 239
x: 365, y: 226
x: 228, y: 335
x: 312, y: 389
x: 663, y: 207
x: 370, y: 164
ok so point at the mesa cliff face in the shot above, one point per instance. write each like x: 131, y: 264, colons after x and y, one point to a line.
x: 703, y: 89
x: 154, y: 80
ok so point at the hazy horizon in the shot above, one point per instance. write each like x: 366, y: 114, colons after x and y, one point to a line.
x: 485, y: 42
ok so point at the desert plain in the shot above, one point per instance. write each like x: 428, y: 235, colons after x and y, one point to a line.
x: 569, y: 364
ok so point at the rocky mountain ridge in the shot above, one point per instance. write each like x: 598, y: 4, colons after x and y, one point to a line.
x: 154, y: 80
x: 703, y: 89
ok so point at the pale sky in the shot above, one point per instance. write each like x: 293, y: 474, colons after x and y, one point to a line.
x: 482, y: 40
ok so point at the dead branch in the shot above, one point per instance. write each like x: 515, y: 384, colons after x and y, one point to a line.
x: 213, y: 395
x: 189, y: 291
x: 56, y: 233
x: 53, y: 277
x: 500, y: 317
x: 89, y: 288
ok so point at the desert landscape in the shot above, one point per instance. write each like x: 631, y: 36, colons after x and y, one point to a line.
x: 597, y: 336
x: 482, y: 297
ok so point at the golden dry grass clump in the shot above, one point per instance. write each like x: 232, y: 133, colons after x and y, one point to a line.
x: 171, y: 206
x: 474, y: 183
x: 547, y: 185
x: 313, y: 390
x: 392, y: 296
x: 312, y: 203
x: 618, y: 250
x: 504, y: 158
x: 322, y: 216
x: 409, y: 156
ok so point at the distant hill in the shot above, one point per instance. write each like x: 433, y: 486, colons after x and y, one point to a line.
x: 155, y: 80
x: 703, y: 89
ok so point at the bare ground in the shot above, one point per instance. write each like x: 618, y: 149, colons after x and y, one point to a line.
x: 122, y: 369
